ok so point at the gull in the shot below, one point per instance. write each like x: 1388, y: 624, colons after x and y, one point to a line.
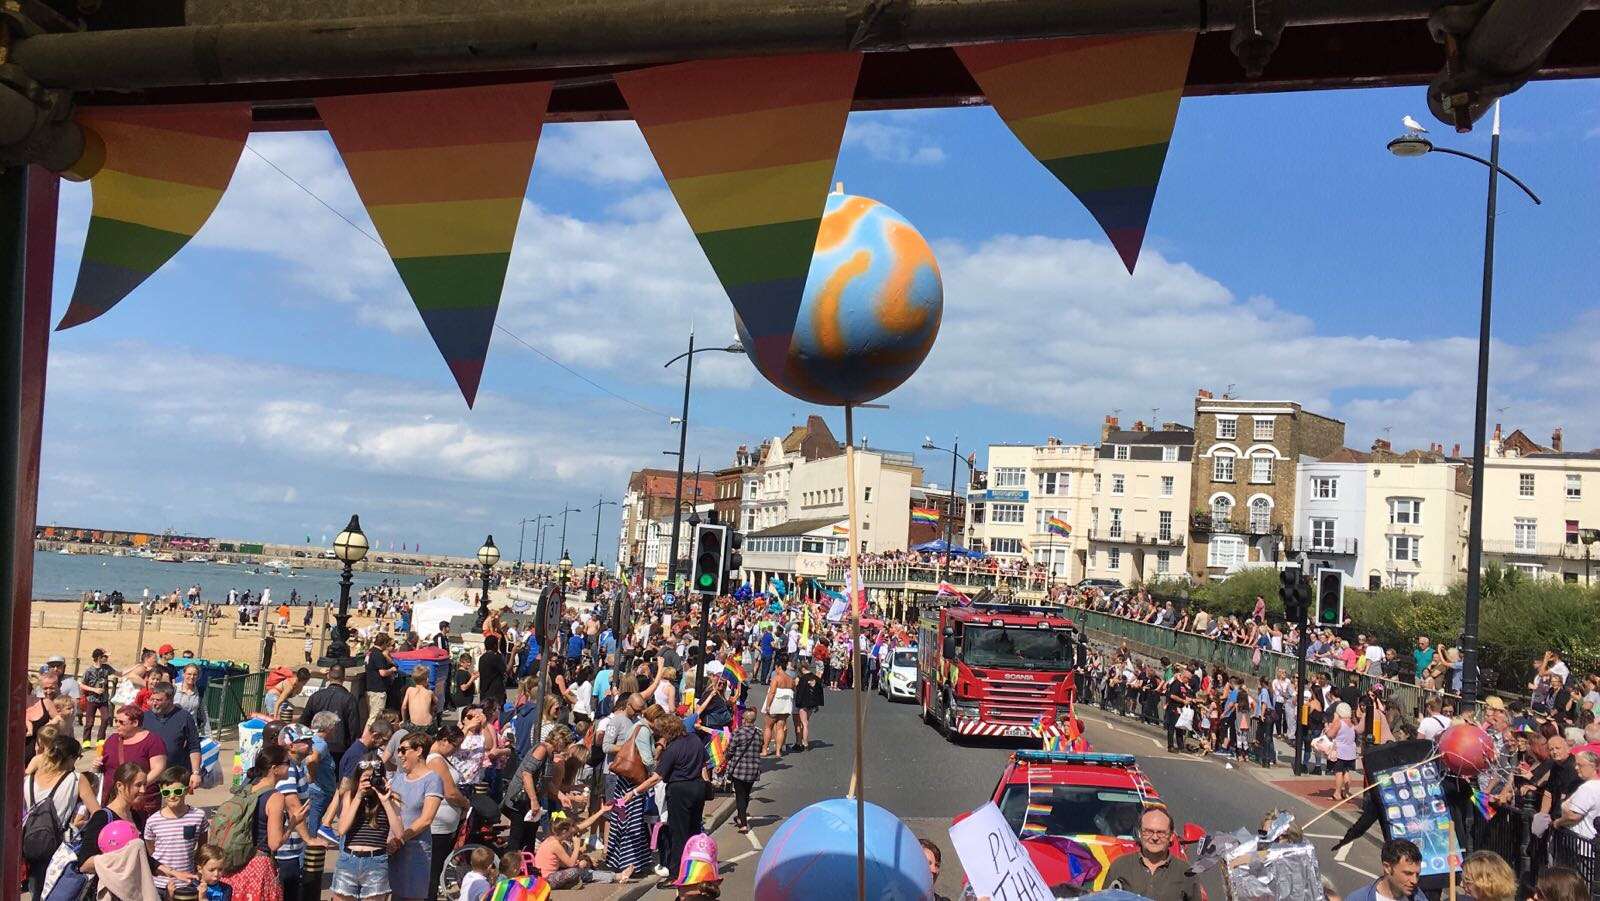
x: 1413, y: 126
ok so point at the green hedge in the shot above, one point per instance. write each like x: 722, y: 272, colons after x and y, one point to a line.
x: 1519, y: 618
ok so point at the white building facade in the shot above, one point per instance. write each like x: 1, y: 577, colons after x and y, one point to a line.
x: 1330, y: 514
x: 1139, y: 504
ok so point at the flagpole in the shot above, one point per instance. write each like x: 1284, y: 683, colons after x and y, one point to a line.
x: 857, y: 777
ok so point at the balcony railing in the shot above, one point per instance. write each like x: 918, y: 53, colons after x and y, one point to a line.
x: 1516, y: 548
x: 1124, y: 536
x: 1311, y: 545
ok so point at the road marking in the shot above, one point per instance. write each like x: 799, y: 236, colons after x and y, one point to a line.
x: 1324, y: 835
x: 1342, y: 853
x: 754, y: 842
x: 1366, y: 873
x: 739, y: 857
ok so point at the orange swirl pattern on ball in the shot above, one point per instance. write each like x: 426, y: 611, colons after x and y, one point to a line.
x: 825, y: 322
x: 837, y: 226
x: 908, y: 253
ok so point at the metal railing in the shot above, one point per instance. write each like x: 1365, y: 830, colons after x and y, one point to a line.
x: 230, y: 699
x: 1312, y: 545
x: 1123, y: 536
x: 1514, y: 548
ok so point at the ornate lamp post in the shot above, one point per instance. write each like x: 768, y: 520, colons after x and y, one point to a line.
x: 488, y: 556
x: 565, y: 569
x: 350, y: 546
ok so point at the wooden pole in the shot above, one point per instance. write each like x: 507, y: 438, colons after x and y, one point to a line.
x: 138, y: 645
x: 205, y: 629
x: 1369, y: 787
x: 77, y: 641
x: 858, y: 789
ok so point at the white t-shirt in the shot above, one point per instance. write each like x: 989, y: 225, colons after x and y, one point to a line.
x: 1374, y: 653
x: 583, y: 693
x: 1432, y: 725
x: 474, y: 886
x: 1586, y: 803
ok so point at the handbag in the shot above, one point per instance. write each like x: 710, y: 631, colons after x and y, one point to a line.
x: 627, y: 763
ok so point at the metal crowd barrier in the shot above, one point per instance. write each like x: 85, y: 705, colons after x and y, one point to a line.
x: 230, y: 699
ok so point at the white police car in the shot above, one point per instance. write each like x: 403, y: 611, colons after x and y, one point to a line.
x: 899, y: 678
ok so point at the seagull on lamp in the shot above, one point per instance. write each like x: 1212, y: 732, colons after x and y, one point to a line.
x: 1413, y: 126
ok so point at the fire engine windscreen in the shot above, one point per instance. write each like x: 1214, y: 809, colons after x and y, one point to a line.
x: 1018, y: 647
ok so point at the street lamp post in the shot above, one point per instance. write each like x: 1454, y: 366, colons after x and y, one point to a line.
x: 683, y: 439
x: 955, y: 454
x: 564, y: 511
x: 594, y: 556
x: 350, y: 546
x: 1412, y: 145
x: 521, y: 533
x: 488, y: 556
x: 538, y: 544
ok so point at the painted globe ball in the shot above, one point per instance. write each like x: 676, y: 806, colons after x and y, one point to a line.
x: 1466, y: 749
x: 813, y: 855
x: 872, y: 306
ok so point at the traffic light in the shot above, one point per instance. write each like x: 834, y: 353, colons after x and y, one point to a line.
x: 1289, y: 593
x: 1330, y: 598
x: 710, y: 553
x: 735, y: 560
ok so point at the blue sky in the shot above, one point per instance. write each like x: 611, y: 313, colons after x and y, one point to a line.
x: 274, y: 377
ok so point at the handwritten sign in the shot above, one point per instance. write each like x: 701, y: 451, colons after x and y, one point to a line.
x: 996, y: 863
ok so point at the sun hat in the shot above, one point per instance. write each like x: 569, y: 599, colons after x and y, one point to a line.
x: 699, y: 861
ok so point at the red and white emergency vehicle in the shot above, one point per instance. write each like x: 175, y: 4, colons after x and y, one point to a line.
x: 995, y: 669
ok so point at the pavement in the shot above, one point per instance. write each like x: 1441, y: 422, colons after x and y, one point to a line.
x: 925, y: 780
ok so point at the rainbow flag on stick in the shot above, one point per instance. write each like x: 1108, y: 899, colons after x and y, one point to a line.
x: 946, y: 590
x: 924, y: 514
x: 1486, y: 808
x: 718, y: 748
x: 1032, y: 828
x: 748, y: 147
x: 733, y: 671
x: 443, y: 175
x: 1055, y: 525
x: 1098, y: 113
x: 163, y: 171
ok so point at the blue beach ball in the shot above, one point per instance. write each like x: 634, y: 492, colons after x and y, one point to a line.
x: 872, y: 306
x: 813, y: 855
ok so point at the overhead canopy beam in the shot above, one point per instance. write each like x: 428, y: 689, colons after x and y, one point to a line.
x: 558, y: 34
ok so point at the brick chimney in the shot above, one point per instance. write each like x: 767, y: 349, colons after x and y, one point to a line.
x: 1380, y: 444
x: 1111, y: 425
x: 1455, y: 450
x: 1497, y: 435
x: 1139, y: 426
x: 1203, y: 394
x: 1555, y: 440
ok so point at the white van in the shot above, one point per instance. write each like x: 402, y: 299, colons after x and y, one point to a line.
x: 899, y: 679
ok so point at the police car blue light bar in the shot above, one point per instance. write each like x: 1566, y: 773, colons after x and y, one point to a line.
x: 1088, y: 758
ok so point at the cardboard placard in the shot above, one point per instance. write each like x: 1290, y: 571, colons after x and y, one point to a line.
x: 996, y: 863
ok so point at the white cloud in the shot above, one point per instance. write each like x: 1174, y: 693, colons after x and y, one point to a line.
x: 881, y: 137
x: 597, y: 153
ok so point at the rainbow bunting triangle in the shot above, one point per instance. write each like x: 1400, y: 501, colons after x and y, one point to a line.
x: 164, y: 172
x: 748, y: 147
x: 442, y: 174
x: 1097, y: 112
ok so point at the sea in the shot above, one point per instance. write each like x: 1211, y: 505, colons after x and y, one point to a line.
x: 67, y: 576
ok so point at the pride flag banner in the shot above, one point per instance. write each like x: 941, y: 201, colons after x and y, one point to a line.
x: 1055, y: 525
x: 164, y: 171
x: 924, y: 514
x: 748, y: 148
x: 1097, y: 112
x: 442, y: 174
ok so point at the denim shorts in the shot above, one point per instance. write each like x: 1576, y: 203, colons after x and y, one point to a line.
x: 361, y: 877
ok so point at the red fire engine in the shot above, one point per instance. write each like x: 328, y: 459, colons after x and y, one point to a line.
x: 993, y: 669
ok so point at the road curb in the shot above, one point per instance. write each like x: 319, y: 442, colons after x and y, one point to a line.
x: 635, y: 890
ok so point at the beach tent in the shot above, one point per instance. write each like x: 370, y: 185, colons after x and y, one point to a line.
x: 426, y: 616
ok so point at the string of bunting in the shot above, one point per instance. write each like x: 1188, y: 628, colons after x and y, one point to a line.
x: 748, y: 148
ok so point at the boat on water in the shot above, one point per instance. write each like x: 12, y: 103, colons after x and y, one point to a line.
x: 67, y: 551
x: 225, y: 562
x: 166, y: 558
x: 198, y: 558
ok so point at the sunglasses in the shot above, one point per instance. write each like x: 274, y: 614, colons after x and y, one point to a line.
x: 174, y: 791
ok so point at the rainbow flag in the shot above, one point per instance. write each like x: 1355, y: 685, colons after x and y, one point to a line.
x: 522, y: 888
x: 1055, y: 525
x: 718, y: 749
x: 841, y: 530
x: 1097, y: 112
x: 734, y: 672
x: 1036, y: 809
x: 946, y: 590
x: 163, y: 173
x: 1032, y: 828
x: 1486, y: 808
x: 924, y: 514
x: 443, y: 174
x: 748, y: 147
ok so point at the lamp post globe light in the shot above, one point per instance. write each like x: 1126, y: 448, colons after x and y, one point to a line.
x: 564, y: 568
x: 350, y: 547
x: 488, y: 556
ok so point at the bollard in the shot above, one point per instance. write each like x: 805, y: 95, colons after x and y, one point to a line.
x: 315, y: 861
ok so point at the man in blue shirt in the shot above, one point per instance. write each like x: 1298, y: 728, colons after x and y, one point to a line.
x: 1402, y: 870
x: 1422, y: 656
x: 575, y: 648
x: 766, y: 655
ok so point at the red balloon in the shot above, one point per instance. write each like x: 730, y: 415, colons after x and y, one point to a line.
x: 1467, y: 749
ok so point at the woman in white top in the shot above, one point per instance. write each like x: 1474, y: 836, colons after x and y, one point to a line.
x: 52, y: 773
x: 667, y: 691
x: 778, y: 705
x: 448, y: 818
x: 580, y: 693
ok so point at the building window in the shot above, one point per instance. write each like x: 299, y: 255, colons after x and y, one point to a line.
x: 977, y: 514
x: 1222, y: 467
x: 1166, y: 486
x: 1005, y: 545
x: 1008, y: 514
x: 1164, y: 525
x: 1221, y: 510
x: 1227, y: 427
x: 1169, y: 453
x: 1260, y: 516
x: 1041, y: 519
x: 1572, y: 531
x: 1163, y: 562
x: 1097, y: 483
x: 1114, y: 558
x: 1055, y: 483
x: 866, y: 495
x: 1094, y: 519
x: 1263, y: 428
x: 1119, y: 483
x: 1325, y: 488
x: 1524, y: 533
x: 1115, y: 531
x: 1574, y: 487
x: 1228, y: 551
x: 1322, y: 534
x: 1525, y: 484
x: 1404, y: 547
x: 1119, y: 451
x: 1405, y: 511
x: 1010, y: 477
x: 1261, y: 468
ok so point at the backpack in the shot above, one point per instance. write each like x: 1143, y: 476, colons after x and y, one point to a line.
x: 42, y: 829
x: 232, y: 828
x: 522, y: 728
